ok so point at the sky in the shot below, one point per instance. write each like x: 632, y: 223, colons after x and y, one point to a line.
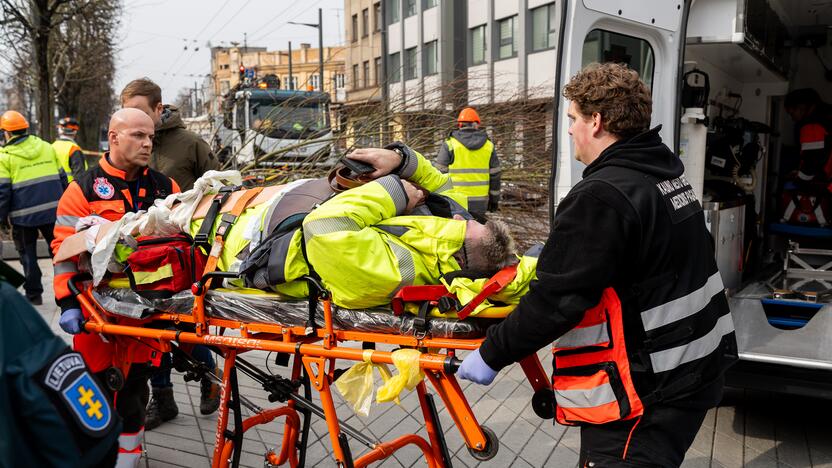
x: 168, y: 40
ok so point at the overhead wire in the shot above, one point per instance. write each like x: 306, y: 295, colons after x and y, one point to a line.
x: 263, y: 36
x: 194, y: 50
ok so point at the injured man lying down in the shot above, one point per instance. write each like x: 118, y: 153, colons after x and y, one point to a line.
x: 400, y: 224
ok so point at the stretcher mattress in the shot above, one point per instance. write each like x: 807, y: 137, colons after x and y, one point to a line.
x: 255, y: 306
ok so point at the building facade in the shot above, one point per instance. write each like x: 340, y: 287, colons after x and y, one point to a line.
x: 425, y: 54
x: 226, y: 63
x: 365, y: 76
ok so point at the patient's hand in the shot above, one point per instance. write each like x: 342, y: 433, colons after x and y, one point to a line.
x: 415, y: 195
x: 385, y: 161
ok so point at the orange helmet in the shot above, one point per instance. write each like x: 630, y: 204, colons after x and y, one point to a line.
x: 468, y: 115
x: 12, y: 121
x: 68, y: 123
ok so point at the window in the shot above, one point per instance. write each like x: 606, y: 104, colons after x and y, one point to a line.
x: 377, y: 16
x: 429, y: 55
x: 365, y: 25
x: 395, y: 71
x: 292, y: 85
x: 313, y: 80
x: 354, y: 28
x: 604, y: 46
x: 544, y: 27
x: 410, y: 63
x: 428, y: 4
x: 378, y: 69
x: 508, y: 32
x: 339, y: 80
x: 355, y: 83
x: 366, y: 70
x: 409, y: 8
x: 393, y: 12
x: 477, y: 41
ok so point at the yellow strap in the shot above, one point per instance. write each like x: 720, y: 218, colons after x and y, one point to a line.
x: 147, y: 277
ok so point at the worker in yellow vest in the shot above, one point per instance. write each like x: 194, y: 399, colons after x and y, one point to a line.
x: 69, y: 153
x: 470, y: 158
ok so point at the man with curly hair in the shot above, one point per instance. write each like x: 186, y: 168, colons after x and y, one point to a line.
x: 627, y: 287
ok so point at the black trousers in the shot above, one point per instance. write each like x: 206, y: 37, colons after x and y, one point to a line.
x: 131, y: 400
x: 25, y: 242
x: 659, y: 438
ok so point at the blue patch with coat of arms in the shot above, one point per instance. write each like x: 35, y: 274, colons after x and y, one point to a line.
x: 89, y: 404
x: 69, y: 378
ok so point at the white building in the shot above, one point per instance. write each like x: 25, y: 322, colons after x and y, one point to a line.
x: 511, y: 49
x: 425, y: 54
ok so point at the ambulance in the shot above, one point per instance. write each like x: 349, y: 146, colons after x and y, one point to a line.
x: 720, y: 71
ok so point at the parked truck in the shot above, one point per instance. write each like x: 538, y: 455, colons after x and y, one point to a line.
x: 271, y: 126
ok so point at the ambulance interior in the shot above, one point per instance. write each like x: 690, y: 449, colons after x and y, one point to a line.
x: 740, y: 149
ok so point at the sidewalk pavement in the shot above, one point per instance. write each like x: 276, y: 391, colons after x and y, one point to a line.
x: 750, y: 428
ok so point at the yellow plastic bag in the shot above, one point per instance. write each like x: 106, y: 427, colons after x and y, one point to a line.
x: 356, y: 385
x: 409, y: 376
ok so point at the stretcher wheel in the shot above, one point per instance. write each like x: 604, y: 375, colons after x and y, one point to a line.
x: 492, y: 445
x: 543, y: 403
x: 114, y: 379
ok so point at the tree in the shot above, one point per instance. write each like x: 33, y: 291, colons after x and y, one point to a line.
x: 29, y: 28
x: 83, y: 60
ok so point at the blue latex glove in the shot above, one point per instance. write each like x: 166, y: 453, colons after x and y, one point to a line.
x: 71, y: 320
x: 473, y: 368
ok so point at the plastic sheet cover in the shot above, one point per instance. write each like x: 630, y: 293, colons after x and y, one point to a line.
x: 271, y: 308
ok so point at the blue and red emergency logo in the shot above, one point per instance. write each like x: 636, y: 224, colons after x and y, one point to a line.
x: 69, y: 379
x: 103, y: 188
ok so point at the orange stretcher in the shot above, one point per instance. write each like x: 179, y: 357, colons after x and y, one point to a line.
x: 312, y: 352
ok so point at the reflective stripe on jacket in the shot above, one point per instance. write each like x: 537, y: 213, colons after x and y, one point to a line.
x: 359, y: 245
x: 101, y: 191
x: 592, y: 378
x: 70, y: 157
x: 592, y: 381
x: 471, y: 171
x: 31, y: 182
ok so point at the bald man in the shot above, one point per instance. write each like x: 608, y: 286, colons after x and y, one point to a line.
x: 122, y: 182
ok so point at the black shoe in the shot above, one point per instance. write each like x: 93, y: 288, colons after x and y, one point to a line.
x: 35, y: 300
x: 209, y: 395
x: 161, y: 408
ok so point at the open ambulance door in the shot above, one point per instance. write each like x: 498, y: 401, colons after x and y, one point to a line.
x: 647, y: 35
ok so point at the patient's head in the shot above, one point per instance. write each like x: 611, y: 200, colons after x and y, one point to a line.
x: 488, y: 247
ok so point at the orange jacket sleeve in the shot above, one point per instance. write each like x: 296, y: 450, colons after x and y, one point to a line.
x: 72, y: 207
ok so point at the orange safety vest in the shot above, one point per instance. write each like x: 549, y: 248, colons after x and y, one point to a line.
x: 592, y: 381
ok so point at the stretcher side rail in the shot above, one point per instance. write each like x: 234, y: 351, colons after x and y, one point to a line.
x: 315, y: 355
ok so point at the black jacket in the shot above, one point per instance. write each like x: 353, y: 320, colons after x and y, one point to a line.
x: 41, y: 424
x: 632, y: 223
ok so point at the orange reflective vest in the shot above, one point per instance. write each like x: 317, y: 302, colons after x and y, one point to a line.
x: 592, y: 381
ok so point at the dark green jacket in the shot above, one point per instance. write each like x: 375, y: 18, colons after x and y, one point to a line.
x: 180, y: 153
x: 54, y: 412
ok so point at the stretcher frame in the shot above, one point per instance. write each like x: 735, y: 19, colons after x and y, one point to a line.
x: 314, y: 353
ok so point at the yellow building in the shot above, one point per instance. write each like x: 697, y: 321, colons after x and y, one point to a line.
x: 226, y: 63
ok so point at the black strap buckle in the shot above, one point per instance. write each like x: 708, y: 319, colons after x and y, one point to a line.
x: 226, y: 222
x: 420, y: 322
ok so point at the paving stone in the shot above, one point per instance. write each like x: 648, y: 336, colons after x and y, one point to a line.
x: 196, y: 447
x: 562, y: 457
x: 538, y: 449
x: 728, y: 444
x: 517, y: 435
x: 175, y: 457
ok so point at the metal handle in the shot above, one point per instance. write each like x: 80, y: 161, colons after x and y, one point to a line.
x: 73, y: 288
x: 452, y: 364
